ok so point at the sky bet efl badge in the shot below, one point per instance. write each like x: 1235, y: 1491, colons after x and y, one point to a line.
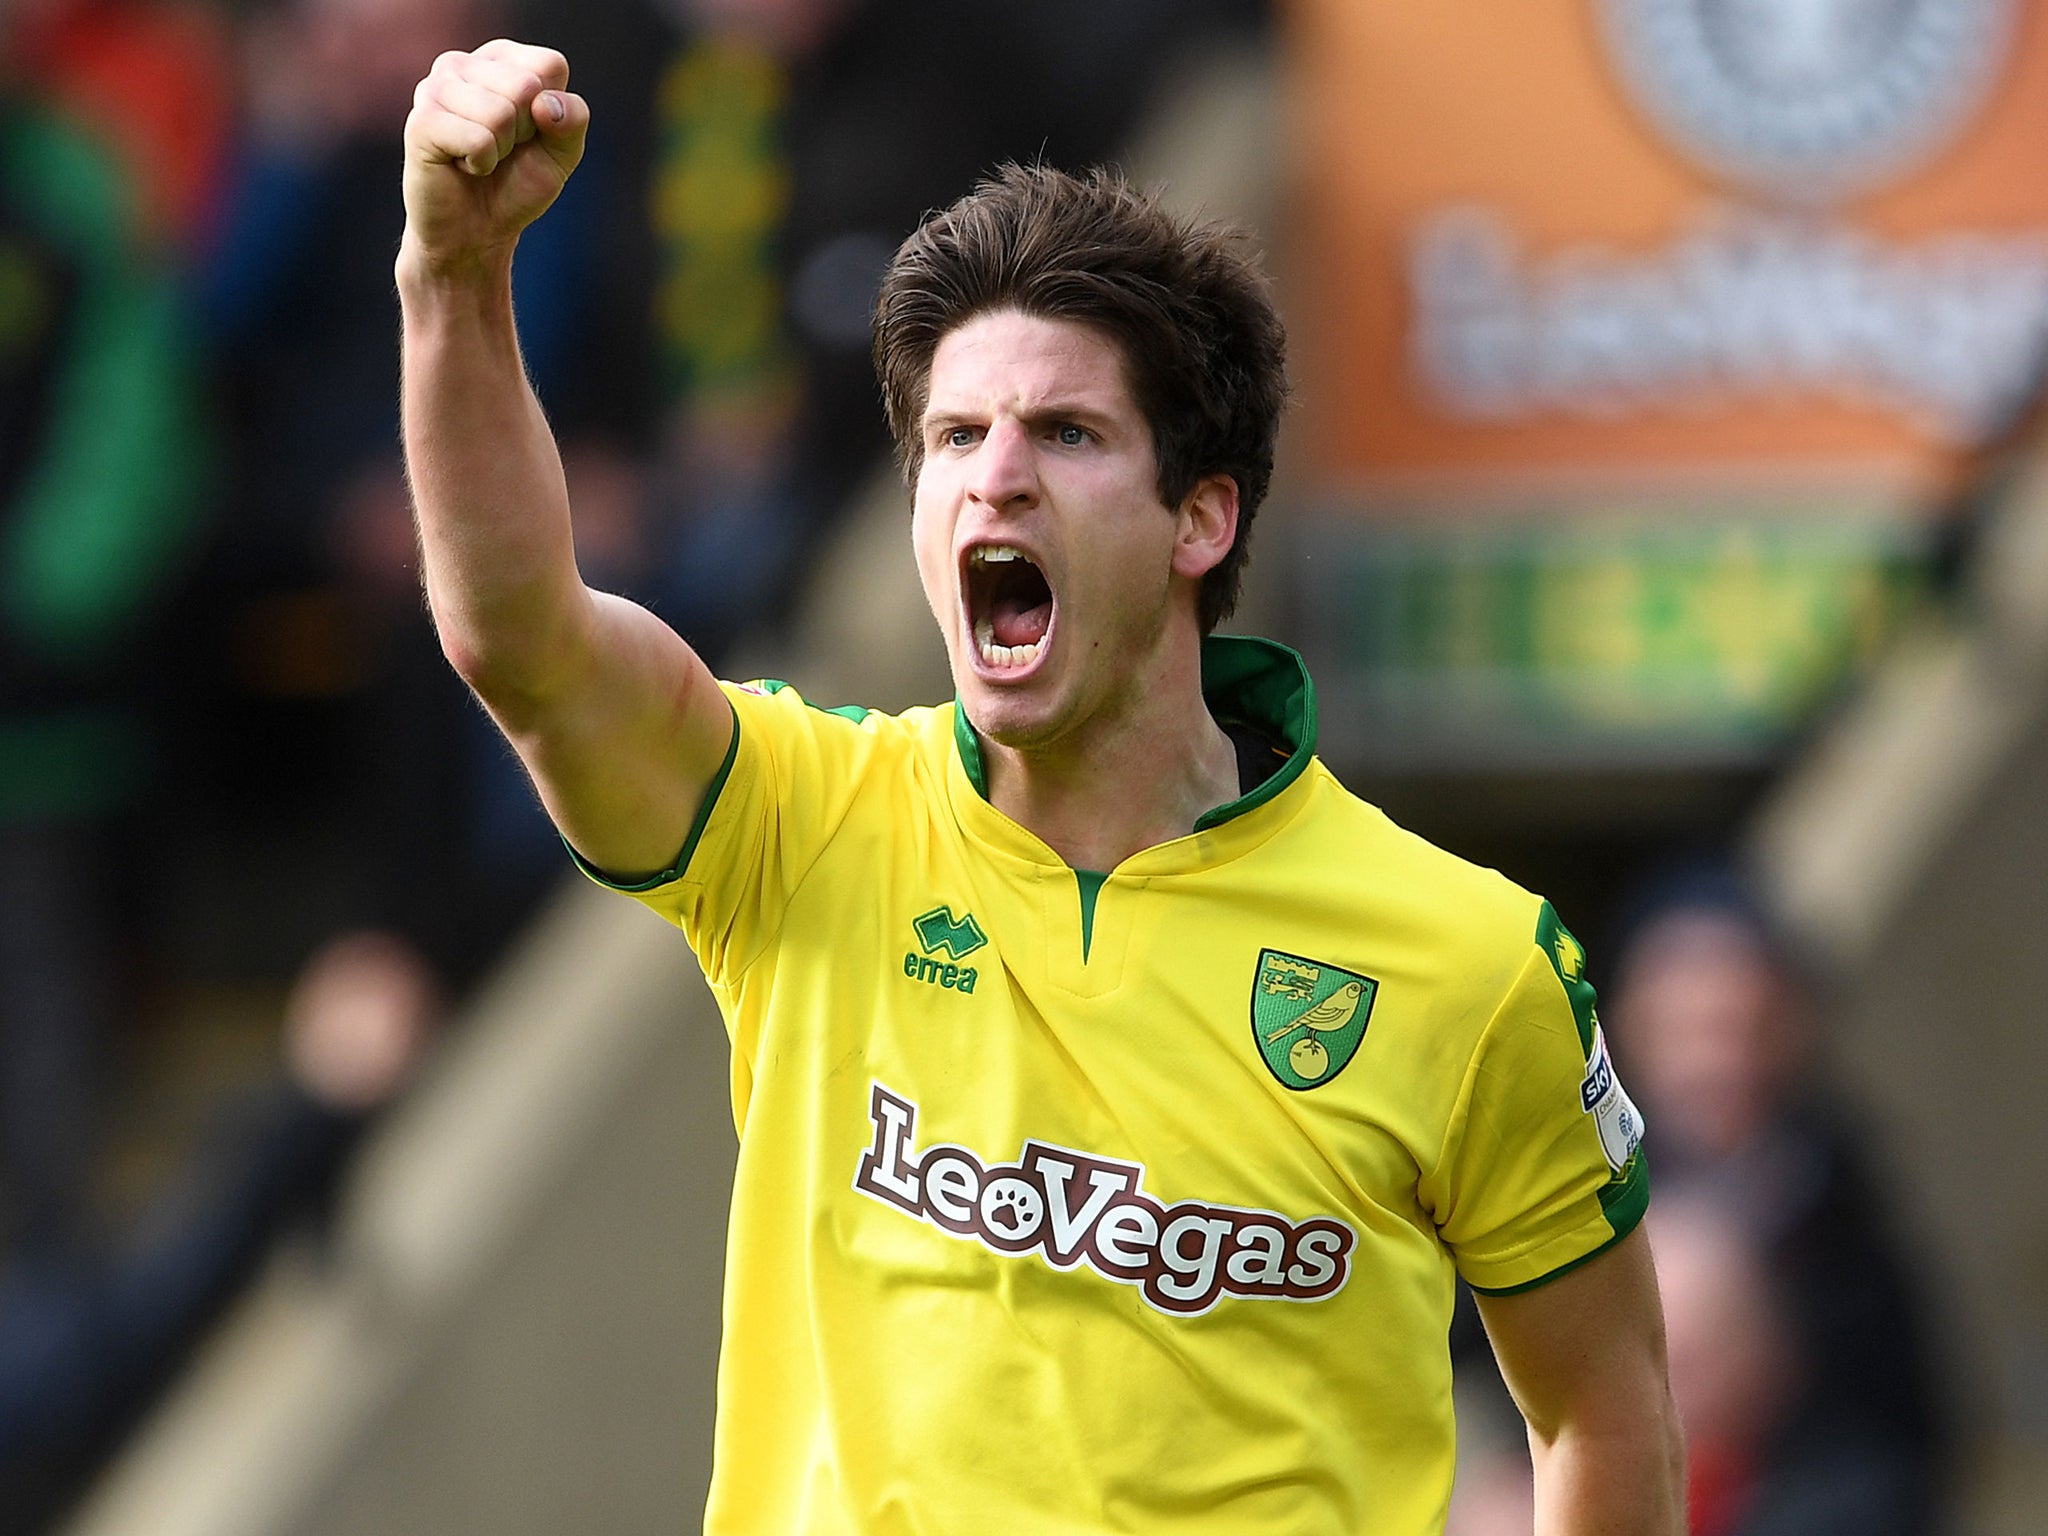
x: 1308, y: 1017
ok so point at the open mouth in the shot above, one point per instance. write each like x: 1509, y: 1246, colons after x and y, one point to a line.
x: 1009, y: 606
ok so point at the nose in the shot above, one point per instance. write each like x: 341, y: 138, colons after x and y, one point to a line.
x: 1005, y: 474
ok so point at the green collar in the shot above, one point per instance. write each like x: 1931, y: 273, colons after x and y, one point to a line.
x: 1245, y: 681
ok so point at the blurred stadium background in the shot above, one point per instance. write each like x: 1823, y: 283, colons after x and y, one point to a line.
x: 1669, y: 478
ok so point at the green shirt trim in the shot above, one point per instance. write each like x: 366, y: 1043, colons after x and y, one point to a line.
x: 1623, y: 1216
x: 854, y: 712
x: 1567, y: 957
x: 969, y: 745
x: 1246, y: 680
x: 1625, y: 1197
x: 1265, y: 685
x: 674, y: 872
x: 1090, y: 882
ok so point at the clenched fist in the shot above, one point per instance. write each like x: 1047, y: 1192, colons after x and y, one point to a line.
x: 491, y: 139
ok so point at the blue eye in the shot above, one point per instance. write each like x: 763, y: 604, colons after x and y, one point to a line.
x: 960, y: 437
x: 1071, y: 436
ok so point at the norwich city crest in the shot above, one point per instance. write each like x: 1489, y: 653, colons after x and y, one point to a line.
x: 1308, y: 1017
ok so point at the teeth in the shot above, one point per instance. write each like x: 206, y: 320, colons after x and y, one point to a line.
x: 1004, y: 655
x: 993, y: 654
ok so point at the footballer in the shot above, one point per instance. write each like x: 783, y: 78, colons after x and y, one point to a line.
x: 1119, y: 1098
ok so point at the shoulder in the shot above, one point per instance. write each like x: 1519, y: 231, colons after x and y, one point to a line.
x: 778, y: 720
x: 770, y: 698
x: 1419, y: 883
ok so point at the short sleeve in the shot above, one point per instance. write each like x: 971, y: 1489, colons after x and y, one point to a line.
x: 788, y: 779
x: 1542, y: 1165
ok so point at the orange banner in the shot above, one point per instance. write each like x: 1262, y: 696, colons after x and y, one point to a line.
x: 1590, y: 236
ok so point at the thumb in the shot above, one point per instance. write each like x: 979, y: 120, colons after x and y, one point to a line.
x: 562, y: 119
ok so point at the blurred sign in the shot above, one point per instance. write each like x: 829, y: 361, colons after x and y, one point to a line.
x: 1627, y: 638
x: 1656, y: 247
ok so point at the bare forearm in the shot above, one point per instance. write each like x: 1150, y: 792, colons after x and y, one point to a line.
x: 487, y: 483
x: 1626, y: 1481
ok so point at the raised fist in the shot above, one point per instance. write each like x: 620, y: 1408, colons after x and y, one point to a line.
x: 491, y: 139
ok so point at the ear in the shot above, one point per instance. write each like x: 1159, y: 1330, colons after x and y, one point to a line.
x: 1207, y: 526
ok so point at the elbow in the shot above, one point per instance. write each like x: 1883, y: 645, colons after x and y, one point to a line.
x: 511, y: 668
x: 470, y: 657
x: 465, y: 645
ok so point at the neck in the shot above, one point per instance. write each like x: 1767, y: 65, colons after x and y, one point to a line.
x: 1139, y: 775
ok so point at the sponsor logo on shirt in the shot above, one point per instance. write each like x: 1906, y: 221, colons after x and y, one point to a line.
x: 945, y: 940
x: 1308, y: 1017
x: 1571, y: 956
x: 1074, y: 1209
x: 1602, y: 1096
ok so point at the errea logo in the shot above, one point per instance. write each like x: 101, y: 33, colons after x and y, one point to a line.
x: 940, y: 933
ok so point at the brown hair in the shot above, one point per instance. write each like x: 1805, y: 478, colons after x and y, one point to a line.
x: 1186, y: 304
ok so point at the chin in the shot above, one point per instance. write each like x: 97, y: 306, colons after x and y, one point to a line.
x: 1017, y: 716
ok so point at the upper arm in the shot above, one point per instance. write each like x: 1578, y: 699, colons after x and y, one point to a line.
x: 1588, y: 1343
x: 1583, y: 1355
x: 629, y: 741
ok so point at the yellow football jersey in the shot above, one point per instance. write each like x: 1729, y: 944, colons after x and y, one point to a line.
x: 1127, y: 1202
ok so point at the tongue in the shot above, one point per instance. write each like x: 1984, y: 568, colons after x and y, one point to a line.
x: 1018, y: 622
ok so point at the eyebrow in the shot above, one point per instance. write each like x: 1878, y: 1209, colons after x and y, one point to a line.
x: 1081, y: 415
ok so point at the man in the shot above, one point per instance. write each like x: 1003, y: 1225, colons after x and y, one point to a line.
x: 102, y: 496
x: 1722, y: 1024
x: 1030, y: 1231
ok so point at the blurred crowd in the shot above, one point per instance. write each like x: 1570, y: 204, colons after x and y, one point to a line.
x: 228, y: 741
